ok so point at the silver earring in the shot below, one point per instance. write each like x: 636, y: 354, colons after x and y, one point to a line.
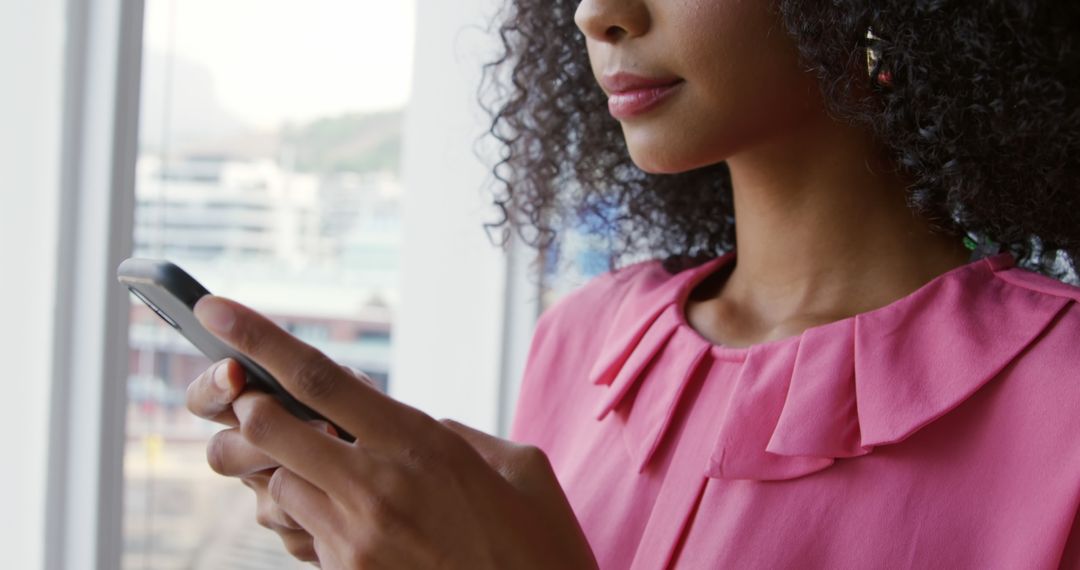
x: 875, y: 69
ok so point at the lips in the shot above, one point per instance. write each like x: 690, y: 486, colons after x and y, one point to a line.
x: 631, y: 95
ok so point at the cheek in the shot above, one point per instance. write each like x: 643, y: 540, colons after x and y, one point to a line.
x: 743, y: 84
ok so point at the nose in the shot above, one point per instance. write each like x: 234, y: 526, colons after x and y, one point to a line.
x: 612, y: 20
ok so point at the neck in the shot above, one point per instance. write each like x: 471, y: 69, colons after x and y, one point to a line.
x: 823, y: 230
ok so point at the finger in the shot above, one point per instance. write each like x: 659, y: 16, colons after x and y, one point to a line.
x: 210, y: 395
x: 304, y: 502
x: 284, y: 519
x: 306, y: 373
x: 361, y: 376
x: 298, y: 542
x: 257, y: 481
x: 229, y: 454
x: 299, y: 545
x: 267, y: 513
x: 311, y: 453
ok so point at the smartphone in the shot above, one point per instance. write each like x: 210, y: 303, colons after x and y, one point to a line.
x: 172, y: 293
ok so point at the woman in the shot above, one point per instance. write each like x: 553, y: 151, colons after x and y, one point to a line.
x: 850, y: 387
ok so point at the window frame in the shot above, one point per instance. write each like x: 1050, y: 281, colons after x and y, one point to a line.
x: 95, y: 230
x: 102, y: 74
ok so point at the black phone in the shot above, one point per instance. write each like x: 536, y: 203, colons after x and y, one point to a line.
x: 172, y: 293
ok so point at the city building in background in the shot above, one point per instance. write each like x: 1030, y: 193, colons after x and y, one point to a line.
x: 301, y: 222
x: 317, y: 252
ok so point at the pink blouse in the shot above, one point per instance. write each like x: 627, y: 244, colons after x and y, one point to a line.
x: 939, y: 431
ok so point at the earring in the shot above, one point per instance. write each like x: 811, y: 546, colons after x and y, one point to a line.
x: 980, y: 246
x: 879, y: 75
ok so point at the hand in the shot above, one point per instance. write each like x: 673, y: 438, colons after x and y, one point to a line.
x: 211, y: 396
x: 411, y: 492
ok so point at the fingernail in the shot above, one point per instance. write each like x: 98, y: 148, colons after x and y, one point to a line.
x: 214, y: 314
x: 221, y: 376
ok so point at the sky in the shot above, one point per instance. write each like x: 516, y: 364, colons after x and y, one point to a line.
x: 273, y: 61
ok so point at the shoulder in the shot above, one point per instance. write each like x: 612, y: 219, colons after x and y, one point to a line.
x: 1045, y: 312
x: 1037, y: 283
x: 1033, y: 292
x: 594, y: 305
x: 1039, y: 387
x: 569, y: 339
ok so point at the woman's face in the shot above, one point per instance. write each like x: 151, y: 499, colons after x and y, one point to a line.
x: 713, y: 77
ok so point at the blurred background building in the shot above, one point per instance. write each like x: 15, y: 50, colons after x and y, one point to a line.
x: 302, y: 224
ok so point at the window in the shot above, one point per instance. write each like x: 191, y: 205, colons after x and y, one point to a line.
x: 268, y: 168
x: 87, y: 191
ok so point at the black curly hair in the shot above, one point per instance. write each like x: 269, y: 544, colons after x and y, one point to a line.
x: 982, y: 117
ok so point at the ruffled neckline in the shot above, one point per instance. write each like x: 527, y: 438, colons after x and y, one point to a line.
x: 836, y: 390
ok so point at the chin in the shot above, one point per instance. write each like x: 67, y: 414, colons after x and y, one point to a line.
x: 659, y: 152
x: 653, y: 161
x: 654, y: 168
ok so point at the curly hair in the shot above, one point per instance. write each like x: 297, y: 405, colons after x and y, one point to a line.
x: 981, y: 116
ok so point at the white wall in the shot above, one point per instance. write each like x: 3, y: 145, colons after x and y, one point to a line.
x: 31, y: 59
x: 448, y: 331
